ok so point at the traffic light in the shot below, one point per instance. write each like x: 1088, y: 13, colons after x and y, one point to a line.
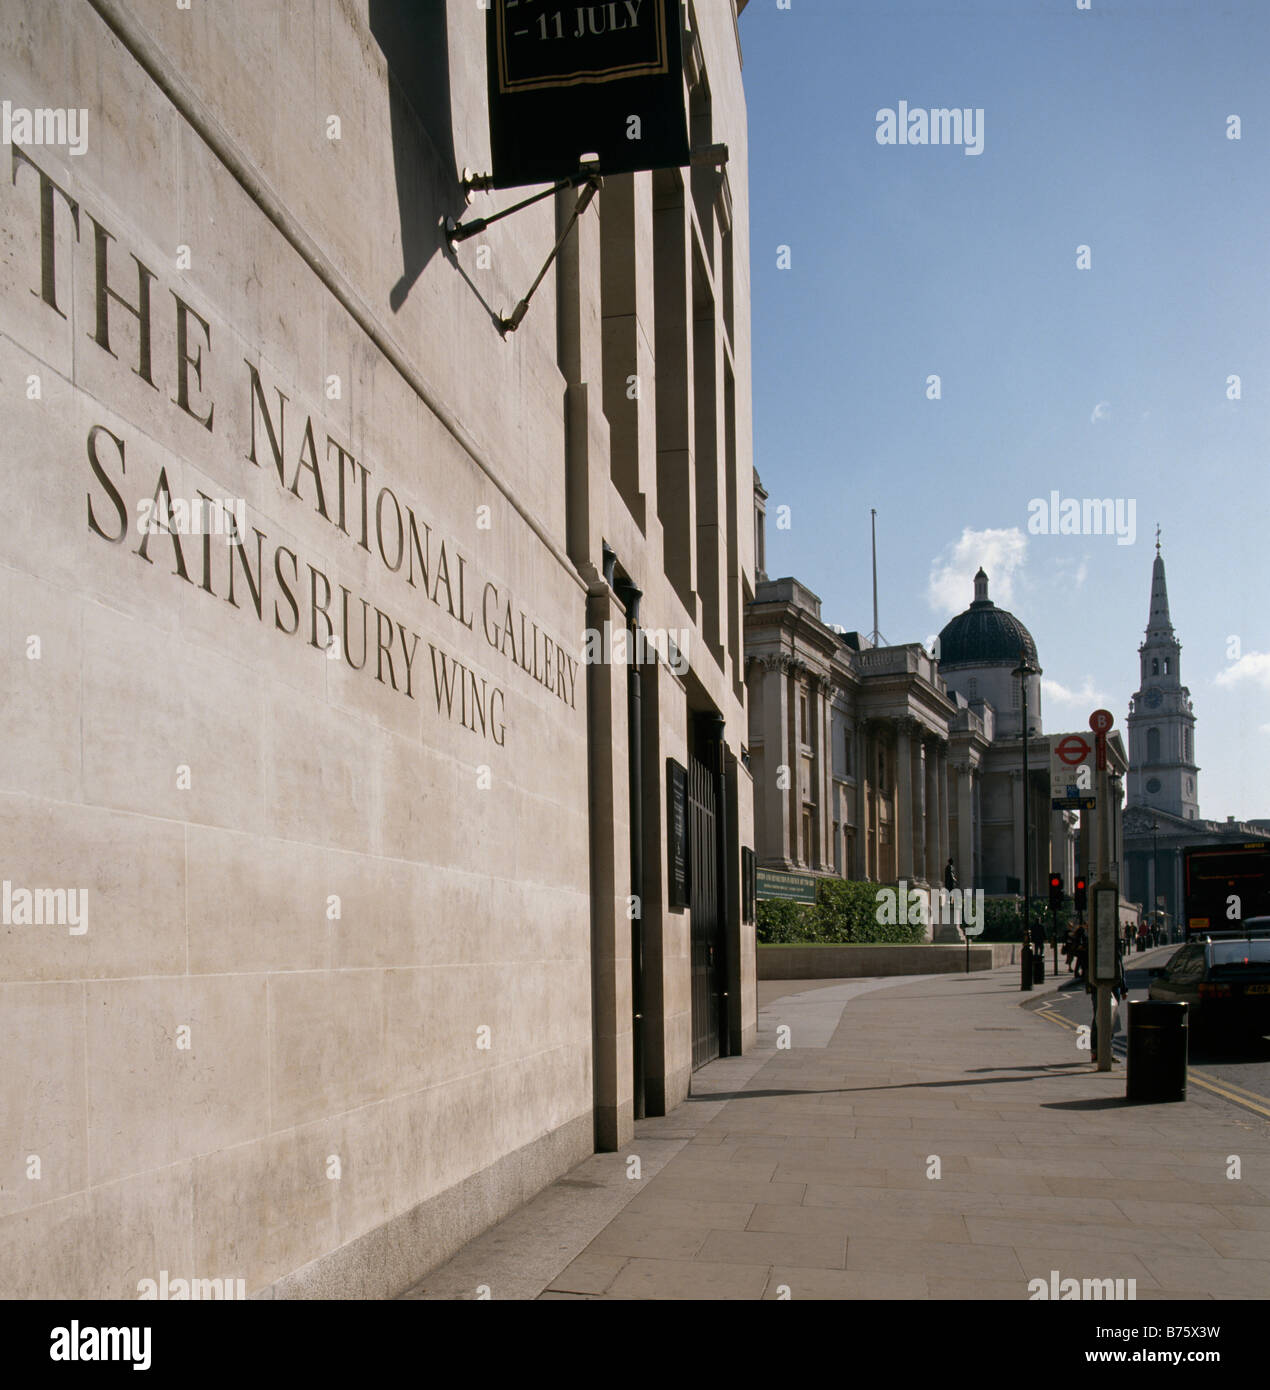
x: 1080, y: 895
x: 1056, y: 892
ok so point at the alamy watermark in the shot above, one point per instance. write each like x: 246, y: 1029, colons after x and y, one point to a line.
x: 930, y: 907
x: 223, y: 516
x: 44, y: 907
x: 1084, y: 516
x: 45, y: 125
x: 1070, y: 1289
x: 71, y: 1342
x: 195, y: 1290
x: 614, y: 645
x: 940, y: 125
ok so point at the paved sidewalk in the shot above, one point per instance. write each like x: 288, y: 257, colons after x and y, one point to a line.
x: 808, y: 1169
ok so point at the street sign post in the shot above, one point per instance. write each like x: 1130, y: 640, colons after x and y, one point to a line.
x: 1106, y: 923
x: 1071, y: 782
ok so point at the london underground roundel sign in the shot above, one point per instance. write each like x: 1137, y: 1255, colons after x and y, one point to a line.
x: 1073, y: 750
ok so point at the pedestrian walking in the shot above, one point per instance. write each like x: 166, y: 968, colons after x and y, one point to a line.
x: 950, y: 875
x: 1119, y: 993
x: 1082, y: 954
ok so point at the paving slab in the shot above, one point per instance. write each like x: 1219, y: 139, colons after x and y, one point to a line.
x: 922, y: 1138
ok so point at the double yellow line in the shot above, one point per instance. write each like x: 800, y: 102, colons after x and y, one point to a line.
x: 1237, y: 1095
x: 1229, y: 1091
x: 1043, y: 1011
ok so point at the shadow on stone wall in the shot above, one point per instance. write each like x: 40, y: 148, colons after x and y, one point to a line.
x: 414, y: 40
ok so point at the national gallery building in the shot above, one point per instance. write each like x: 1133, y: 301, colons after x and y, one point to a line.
x: 880, y: 763
x: 372, y: 393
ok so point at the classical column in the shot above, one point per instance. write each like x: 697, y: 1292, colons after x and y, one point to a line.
x: 1016, y: 818
x: 976, y: 865
x: 828, y: 796
x: 772, y: 803
x: 937, y: 832
x: 860, y: 753
x: 965, y: 826
x: 863, y: 819
x: 941, y: 781
x: 930, y: 813
x: 793, y: 758
x: 918, y: 803
x: 815, y: 791
x: 1175, y: 906
x: 1058, y: 847
x: 903, y: 801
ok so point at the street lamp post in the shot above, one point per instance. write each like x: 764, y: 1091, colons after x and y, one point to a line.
x: 1023, y: 670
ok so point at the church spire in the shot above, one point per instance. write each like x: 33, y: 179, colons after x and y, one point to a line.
x: 1159, y: 624
x: 1161, y: 724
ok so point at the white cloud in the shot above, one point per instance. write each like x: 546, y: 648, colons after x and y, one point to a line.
x: 1101, y: 411
x: 1252, y: 666
x: 952, y: 572
x: 1086, y: 697
x: 1071, y: 573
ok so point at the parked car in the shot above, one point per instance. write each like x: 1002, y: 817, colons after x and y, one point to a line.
x: 1224, y: 978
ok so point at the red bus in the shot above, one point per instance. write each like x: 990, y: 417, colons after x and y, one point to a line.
x: 1225, y: 884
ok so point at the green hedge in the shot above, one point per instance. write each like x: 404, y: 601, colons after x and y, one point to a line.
x: 843, y: 912
x: 1003, y: 919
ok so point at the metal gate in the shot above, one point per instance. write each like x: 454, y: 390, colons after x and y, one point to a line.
x: 703, y: 898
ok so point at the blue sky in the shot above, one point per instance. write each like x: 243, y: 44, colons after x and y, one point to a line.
x: 1107, y: 129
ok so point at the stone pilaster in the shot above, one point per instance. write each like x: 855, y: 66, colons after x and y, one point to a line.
x: 772, y: 804
x: 941, y: 783
x: 864, y: 776
x: 903, y: 801
x: 612, y: 1076
x: 977, y: 816
x: 965, y: 824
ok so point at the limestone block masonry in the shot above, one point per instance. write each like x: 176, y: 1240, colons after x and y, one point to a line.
x: 325, y: 984
x: 317, y: 832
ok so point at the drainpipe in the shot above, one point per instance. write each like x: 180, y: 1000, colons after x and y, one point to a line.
x: 715, y: 725
x: 629, y: 596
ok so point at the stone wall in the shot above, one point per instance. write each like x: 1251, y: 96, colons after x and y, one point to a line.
x: 855, y: 962
x: 308, y: 888
x: 340, y: 969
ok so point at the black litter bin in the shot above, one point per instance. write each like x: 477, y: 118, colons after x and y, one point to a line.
x: 1156, y: 1069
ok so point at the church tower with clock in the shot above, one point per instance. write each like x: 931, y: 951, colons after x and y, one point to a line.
x: 1161, y: 724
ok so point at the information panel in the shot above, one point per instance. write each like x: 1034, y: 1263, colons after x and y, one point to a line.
x: 677, y: 832
x: 1106, y: 928
x: 570, y: 81
x: 791, y: 886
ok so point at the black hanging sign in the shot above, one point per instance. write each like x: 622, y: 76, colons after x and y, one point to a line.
x: 566, y: 81
x: 677, y: 833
